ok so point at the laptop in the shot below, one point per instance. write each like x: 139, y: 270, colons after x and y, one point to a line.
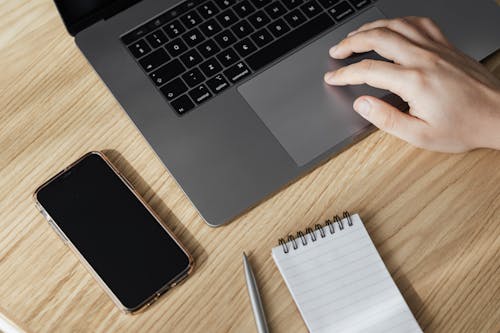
x: 230, y: 93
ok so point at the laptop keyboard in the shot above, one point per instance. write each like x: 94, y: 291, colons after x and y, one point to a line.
x: 198, y: 49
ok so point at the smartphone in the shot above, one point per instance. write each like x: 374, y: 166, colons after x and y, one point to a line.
x: 113, y: 231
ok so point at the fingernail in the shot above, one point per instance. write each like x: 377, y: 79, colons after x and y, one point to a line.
x: 333, y: 51
x: 351, y: 33
x: 329, y: 76
x: 363, y: 107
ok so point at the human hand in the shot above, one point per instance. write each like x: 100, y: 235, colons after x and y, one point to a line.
x: 454, y: 101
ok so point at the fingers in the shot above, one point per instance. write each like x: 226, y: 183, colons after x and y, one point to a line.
x: 379, y: 74
x: 387, y: 76
x: 385, y: 42
x: 391, y: 120
x: 420, y: 30
x: 430, y: 28
x: 401, y: 26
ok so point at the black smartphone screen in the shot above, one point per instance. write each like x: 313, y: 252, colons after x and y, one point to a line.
x: 113, y: 230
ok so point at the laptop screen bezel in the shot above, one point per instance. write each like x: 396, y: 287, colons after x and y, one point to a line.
x: 80, y: 14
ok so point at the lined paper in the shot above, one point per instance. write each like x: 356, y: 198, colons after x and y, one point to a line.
x: 340, y: 283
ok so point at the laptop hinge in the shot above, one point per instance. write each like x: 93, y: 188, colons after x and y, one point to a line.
x: 117, y: 6
x: 80, y: 14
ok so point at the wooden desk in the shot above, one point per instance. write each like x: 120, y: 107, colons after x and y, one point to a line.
x: 435, y: 218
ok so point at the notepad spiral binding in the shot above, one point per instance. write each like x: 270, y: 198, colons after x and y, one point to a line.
x: 312, y: 232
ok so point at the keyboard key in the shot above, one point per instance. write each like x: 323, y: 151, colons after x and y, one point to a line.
x: 176, y: 47
x: 191, y: 58
x: 174, y: 29
x: 328, y: 3
x: 295, y: 18
x: 193, y: 77
x: 341, y: 11
x: 200, y: 94
x: 311, y: 8
x: 154, y: 60
x: 157, y: 22
x: 186, y: 5
x: 167, y: 72
x: 227, y: 57
x: 174, y: 89
x: 218, y: 84
x: 275, y: 9
x: 225, y: 38
x: 242, y: 29
x: 210, y: 28
x: 179, y: 10
x: 260, y: 3
x: 360, y: 3
x: 278, y: 28
x: 259, y: 19
x: 139, y: 48
x: 208, y: 48
x: 261, y: 37
x: 182, y: 104
x: 227, y: 18
x: 243, y: 8
x: 156, y: 38
x: 289, y: 41
x: 135, y: 35
x: 237, y: 72
x: 191, y: 19
x: 291, y: 4
x: 193, y: 37
x: 223, y: 4
x: 210, y: 67
x: 245, y: 47
x: 208, y: 9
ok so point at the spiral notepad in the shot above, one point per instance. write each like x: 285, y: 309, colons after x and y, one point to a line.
x: 339, y: 282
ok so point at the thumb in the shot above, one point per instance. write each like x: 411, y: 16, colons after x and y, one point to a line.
x: 389, y: 119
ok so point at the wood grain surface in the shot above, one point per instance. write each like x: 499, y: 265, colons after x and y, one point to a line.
x: 435, y: 218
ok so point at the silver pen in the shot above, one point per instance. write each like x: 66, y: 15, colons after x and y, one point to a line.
x: 253, y: 292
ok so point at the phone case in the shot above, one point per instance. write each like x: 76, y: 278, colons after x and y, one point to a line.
x: 151, y: 299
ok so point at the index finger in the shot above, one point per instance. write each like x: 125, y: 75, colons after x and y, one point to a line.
x: 387, y: 43
x: 378, y: 74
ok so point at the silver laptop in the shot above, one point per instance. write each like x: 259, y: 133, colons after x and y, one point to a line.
x: 230, y: 93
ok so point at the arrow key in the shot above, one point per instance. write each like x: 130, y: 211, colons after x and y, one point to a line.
x: 182, y: 104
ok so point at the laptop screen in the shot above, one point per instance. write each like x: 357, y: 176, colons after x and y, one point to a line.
x: 80, y: 14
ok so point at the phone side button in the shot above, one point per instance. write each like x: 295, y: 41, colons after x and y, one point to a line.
x: 157, y: 295
x: 59, y: 233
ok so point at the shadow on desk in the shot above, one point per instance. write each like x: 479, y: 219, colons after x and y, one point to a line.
x: 168, y: 219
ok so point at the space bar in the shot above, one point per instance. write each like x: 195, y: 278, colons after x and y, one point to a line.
x: 290, y: 41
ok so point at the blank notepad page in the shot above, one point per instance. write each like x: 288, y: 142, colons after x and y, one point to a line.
x: 340, y: 283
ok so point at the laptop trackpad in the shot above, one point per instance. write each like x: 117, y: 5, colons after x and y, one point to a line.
x: 307, y: 116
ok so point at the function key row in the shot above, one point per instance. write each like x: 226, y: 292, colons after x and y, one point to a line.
x: 190, y: 15
x: 158, y: 21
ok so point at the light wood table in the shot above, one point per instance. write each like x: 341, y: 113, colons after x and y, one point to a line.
x: 435, y: 218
